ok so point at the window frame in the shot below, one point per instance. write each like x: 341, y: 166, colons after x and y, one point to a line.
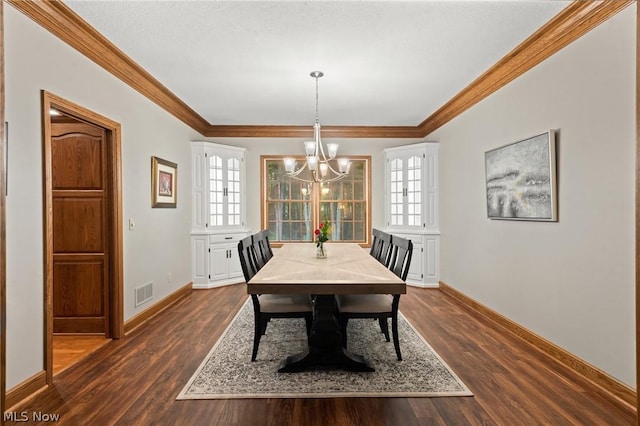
x: 315, y: 196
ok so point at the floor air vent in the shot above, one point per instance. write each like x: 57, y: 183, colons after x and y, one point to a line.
x: 144, y: 293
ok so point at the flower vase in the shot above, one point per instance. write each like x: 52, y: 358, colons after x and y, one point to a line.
x: 321, y: 251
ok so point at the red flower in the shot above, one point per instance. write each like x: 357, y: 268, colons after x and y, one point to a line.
x: 322, y: 233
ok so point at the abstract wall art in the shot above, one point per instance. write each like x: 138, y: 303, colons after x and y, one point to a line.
x: 521, y: 179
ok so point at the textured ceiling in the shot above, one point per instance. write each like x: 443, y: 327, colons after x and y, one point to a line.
x: 387, y: 63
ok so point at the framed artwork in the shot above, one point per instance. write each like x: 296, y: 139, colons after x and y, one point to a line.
x: 164, y: 183
x: 521, y: 180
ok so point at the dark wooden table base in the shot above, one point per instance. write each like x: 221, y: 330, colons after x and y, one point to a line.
x: 325, y: 343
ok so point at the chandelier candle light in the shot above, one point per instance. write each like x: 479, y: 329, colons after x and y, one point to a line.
x: 317, y: 160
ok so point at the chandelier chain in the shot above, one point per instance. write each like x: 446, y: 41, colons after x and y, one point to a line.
x: 317, y: 115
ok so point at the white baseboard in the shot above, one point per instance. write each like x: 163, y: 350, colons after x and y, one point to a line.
x: 217, y: 284
x: 423, y: 285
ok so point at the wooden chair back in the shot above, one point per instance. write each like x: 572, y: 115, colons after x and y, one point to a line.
x: 384, y: 254
x: 262, y: 246
x: 247, y: 255
x: 376, y: 244
x: 400, y: 257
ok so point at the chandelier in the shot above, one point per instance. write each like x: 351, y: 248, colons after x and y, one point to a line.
x: 317, y: 159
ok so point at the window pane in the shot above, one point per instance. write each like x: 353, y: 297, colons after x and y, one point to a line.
x: 285, y: 231
x: 347, y: 231
x: 359, y: 232
x: 285, y: 192
x: 358, y: 211
x: 274, y: 191
x: 272, y: 208
x: 295, y: 211
x: 348, y: 191
x: 296, y: 193
x: 358, y: 191
x: 358, y: 170
x: 347, y: 209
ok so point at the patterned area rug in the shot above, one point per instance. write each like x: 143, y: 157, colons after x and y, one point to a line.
x: 227, y: 371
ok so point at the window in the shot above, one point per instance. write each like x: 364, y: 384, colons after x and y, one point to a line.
x: 291, y: 210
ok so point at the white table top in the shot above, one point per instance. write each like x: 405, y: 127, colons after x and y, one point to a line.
x: 348, y: 269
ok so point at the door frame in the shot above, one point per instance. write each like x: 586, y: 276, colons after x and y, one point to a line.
x: 114, y: 218
x: 3, y: 234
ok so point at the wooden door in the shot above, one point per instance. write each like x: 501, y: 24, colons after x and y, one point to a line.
x: 80, y: 248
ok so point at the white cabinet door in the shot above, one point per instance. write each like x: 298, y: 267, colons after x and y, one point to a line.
x: 225, y: 173
x: 431, y: 258
x: 415, y: 269
x: 235, y: 269
x: 225, y: 262
x: 218, y: 262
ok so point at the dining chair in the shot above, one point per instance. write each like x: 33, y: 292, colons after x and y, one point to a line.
x: 380, y: 306
x: 383, y: 250
x: 268, y: 306
x: 376, y: 244
x: 262, y: 247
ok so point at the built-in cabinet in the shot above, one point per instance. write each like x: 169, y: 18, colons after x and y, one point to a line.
x: 218, y: 213
x: 411, y: 206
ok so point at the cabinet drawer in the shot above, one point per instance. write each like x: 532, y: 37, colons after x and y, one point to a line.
x: 415, y: 238
x: 225, y: 238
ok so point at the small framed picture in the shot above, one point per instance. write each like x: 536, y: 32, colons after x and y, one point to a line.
x: 164, y: 183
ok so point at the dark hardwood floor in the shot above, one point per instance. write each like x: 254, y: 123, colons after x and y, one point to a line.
x: 134, y: 381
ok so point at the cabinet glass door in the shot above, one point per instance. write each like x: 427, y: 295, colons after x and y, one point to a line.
x: 397, y: 192
x: 414, y: 191
x: 233, y: 191
x: 224, y: 191
x: 405, y: 191
x: 216, y: 191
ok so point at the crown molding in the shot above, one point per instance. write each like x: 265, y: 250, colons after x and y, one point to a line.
x: 570, y: 24
x: 68, y: 26
x: 307, y: 131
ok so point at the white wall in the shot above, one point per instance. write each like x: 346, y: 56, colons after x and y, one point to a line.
x: 159, y: 245
x: 571, y: 282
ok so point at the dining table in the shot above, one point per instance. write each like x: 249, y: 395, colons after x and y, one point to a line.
x: 347, y: 269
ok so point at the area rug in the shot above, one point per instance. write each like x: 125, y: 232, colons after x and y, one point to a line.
x: 228, y: 373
